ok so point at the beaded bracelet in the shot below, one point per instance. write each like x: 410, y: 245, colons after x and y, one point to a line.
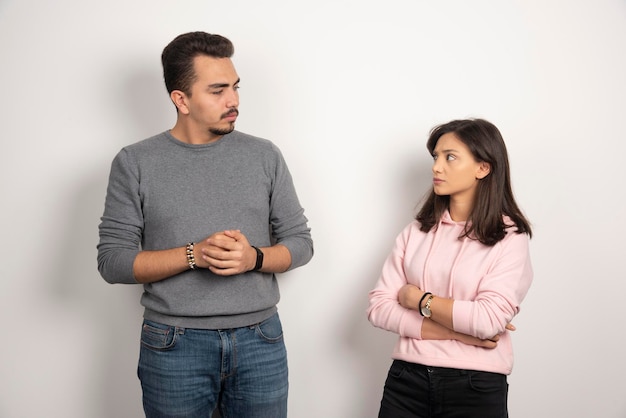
x: 191, y: 260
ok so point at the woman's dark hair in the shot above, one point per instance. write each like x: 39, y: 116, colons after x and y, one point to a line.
x: 178, y: 57
x: 494, y: 196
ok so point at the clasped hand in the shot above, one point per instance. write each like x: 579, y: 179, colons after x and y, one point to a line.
x: 226, y: 253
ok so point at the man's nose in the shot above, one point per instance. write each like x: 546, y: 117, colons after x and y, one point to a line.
x: 233, y: 99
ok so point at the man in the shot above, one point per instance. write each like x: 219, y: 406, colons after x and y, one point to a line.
x: 204, y: 216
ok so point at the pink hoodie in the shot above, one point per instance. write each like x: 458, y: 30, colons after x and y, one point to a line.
x: 487, y: 284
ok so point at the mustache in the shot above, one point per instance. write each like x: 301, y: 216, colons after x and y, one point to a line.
x: 231, y: 112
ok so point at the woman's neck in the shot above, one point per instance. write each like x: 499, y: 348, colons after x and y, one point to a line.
x: 460, y: 211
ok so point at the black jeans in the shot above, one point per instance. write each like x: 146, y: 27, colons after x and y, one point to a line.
x: 416, y: 391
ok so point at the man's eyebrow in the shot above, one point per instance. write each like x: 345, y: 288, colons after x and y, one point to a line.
x: 222, y: 85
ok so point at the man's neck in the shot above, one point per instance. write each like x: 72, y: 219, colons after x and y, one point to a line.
x: 193, y: 136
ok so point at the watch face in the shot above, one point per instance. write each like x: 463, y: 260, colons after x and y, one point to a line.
x: 426, y: 312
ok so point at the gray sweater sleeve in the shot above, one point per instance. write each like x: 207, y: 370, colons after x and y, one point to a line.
x: 287, y: 219
x: 121, y: 224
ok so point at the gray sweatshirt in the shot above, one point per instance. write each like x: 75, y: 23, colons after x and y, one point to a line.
x: 164, y: 193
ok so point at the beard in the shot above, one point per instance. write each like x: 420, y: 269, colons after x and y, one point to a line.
x: 223, y: 131
x: 231, y: 126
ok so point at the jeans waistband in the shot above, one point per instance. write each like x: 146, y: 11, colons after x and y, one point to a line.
x: 441, y: 371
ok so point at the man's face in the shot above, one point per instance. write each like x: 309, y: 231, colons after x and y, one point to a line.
x: 212, y: 106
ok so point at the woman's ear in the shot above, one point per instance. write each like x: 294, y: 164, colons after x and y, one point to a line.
x: 484, y: 168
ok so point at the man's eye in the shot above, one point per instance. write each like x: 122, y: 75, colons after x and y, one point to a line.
x: 218, y: 92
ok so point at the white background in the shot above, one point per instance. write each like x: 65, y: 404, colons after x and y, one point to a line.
x: 348, y: 90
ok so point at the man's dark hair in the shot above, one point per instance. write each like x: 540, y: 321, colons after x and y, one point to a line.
x: 178, y: 57
x: 494, y: 195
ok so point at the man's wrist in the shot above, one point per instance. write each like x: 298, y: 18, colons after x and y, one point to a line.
x: 258, y: 260
x: 191, y: 259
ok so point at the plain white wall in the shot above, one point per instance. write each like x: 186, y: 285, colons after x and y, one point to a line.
x: 348, y: 90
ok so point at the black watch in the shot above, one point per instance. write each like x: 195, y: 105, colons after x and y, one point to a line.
x: 259, y: 259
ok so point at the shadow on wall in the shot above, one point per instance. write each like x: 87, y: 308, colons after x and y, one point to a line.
x: 371, y: 346
x: 112, y: 312
x: 141, y: 99
x: 150, y: 107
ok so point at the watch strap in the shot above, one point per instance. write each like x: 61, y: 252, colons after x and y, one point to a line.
x: 259, y: 259
x: 419, y: 305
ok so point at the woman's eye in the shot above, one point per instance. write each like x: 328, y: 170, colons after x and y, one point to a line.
x: 450, y: 157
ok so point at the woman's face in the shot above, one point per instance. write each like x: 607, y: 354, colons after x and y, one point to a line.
x: 455, y: 171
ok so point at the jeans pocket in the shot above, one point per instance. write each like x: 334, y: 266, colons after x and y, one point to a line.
x: 270, y: 330
x: 158, y: 336
x: 487, y: 382
x: 397, y: 369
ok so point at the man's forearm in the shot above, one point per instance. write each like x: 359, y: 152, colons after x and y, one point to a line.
x: 153, y: 266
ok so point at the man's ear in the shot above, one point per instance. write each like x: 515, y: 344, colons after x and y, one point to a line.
x: 484, y: 168
x: 180, y: 101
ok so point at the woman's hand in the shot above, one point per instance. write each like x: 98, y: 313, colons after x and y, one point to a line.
x: 409, y: 296
x: 488, y: 343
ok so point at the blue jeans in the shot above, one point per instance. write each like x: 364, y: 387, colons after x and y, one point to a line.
x: 190, y: 372
x: 416, y: 391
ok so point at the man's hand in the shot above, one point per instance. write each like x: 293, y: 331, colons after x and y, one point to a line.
x: 227, y: 253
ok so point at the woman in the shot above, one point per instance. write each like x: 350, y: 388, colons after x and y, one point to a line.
x: 454, y: 281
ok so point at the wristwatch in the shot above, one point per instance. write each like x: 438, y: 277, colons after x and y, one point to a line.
x: 426, y: 312
x: 259, y: 259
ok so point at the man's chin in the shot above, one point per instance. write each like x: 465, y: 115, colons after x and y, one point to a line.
x: 225, y: 131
